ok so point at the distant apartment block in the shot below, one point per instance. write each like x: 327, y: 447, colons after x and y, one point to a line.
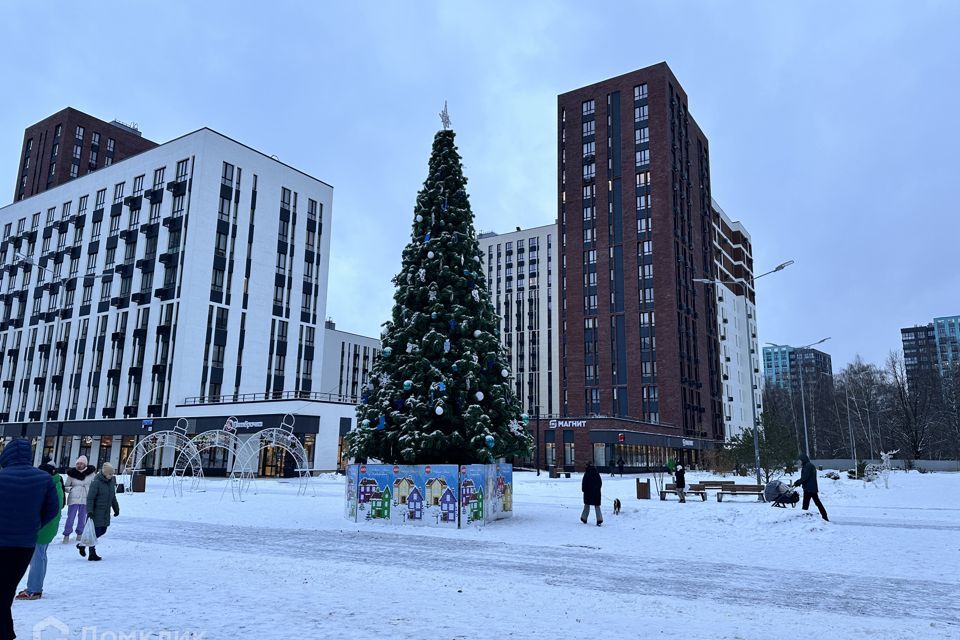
x: 919, y: 352
x: 521, y: 278
x: 348, y: 359
x: 737, y: 323
x: 70, y: 144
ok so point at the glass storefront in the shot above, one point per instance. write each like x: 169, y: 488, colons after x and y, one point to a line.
x: 106, y: 448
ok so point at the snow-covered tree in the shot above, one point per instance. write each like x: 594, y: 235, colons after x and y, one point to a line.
x: 441, y: 392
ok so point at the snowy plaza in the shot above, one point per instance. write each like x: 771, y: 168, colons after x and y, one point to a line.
x: 279, y: 565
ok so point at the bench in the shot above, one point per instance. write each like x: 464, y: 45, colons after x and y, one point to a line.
x: 556, y: 473
x: 693, y: 489
x: 741, y: 490
x: 717, y: 484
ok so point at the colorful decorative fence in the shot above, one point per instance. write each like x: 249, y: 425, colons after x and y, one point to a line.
x: 439, y: 495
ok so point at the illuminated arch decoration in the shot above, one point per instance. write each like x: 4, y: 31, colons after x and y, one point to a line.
x: 176, y: 438
x: 246, y: 462
x: 225, y: 439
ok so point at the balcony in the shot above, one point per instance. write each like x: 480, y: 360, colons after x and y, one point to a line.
x: 113, y: 374
x: 133, y: 202
x: 173, y: 223
x: 164, y: 293
x: 154, y: 410
x: 153, y: 195
x: 124, y: 269
x: 163, y: 329
x: 109, y: 412
x: 141, y: 297
x: 158, y: 369
x: 117, y: 336
x: 135, y: 371
x: 130, y: 411
x: 140, y: 332
x: 177, y: 187
x: 120, y: 302
x: 129, y: 235
x: 8, y: 384
x: 168, y: 257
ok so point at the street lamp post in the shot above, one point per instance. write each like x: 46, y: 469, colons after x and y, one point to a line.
x: 803, y: 402
x: 753, y: 386
x: 536, y: 418
x: 51, y: 355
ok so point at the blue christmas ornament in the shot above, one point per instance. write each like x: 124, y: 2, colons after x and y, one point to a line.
x: 525, y: 418
x: 433, y: 316
x: 441, y: 386
x: 453, y: 324
x: 387, y: 351
x: 426, y: 238
x: 381, y: 423
x: 407, y: 385
x: 489, y: 440
x: 455, y: 367
x: 365, y: 423
x: 446, y: 346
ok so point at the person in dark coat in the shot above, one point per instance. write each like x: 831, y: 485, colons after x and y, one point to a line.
x: 681, y: 483
x: 101, y: 498
x: 591, y: 493
x: 620, y: 466
x: 28, y: 501
x: 808, y: 481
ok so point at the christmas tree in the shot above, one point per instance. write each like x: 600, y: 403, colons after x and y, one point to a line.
x: 440, y: 392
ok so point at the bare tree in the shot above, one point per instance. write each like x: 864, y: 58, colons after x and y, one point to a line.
x: 914, y: 410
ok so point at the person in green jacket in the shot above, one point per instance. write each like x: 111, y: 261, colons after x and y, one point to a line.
x: 101, y: 498
x: 38, y: 564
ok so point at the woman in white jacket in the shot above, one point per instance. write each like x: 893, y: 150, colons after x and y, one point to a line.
x: 77, y: 484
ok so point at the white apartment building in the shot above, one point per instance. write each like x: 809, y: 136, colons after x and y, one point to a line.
x: 521, y: 277
x: 347, y: 362
x: 189, y: 281
x: 737, y: 319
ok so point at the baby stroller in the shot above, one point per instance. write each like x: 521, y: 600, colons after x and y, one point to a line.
x: 780, y: 494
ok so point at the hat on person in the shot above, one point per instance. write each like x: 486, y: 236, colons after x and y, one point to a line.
x: 82, y: 459
x: 679, y: 467
x: 107, y: 470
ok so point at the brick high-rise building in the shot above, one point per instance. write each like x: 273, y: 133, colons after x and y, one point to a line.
x: 919, y: 353
x: 70, y: 144
x: 640, y: 343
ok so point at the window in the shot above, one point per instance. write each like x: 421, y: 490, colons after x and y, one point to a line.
x: 110, y: 258
x: 285, y: 198
x: 95, y: 231
x: 76, y: 152
x: 643, y: 179
x: 216, y: 282
x: 589, y: 191
x: 87, y: 295
x: 104, y: 291
x: 111, y: 145
x: 183, y: 166
x: 643, y: 225
x: 311, y: 240
x: 589, y: 235
x: 640, y: 113
x: 118, y: 192
x: 226, y: 178
x: 138, y: 185
x: 589, y: 149
x: 278, y: 295
x: 95, y: 138
x: 644, y: 202
x: 101, y: 199
x: 125, y: 285
x: 640, y: 92
x: 35, y: 220
x: 91, y: 262
x: 79, y: 133
x: 646, y: 319
x: 65, y: 210
x: 114, y: 225
x: 311, y: 209
x: 158, y: 177
x: 589, y: 171
x: 74, y: 171
x: 643, y: 157
x: 224, y: 210
x: 589, y: 107
x: 284, y: 230
x: 642, y: 135
x: 589, y: 128
x: 589, y: 213
x: 93, y: 158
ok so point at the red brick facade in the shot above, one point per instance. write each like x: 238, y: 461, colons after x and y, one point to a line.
x: 40, y: 140
x: 687, y: 379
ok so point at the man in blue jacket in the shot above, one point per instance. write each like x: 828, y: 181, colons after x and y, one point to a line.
x: 28, y: 501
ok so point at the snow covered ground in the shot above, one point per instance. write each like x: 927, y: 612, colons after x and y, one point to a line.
x: 282, y: 566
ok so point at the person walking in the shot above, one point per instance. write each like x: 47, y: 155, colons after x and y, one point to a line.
x: 681, y: 482
x: 28, y: 501
x: 38, y: 563
x: 620, y: 466
x: 590, y: 485
x: 77, y: 484
x: 808, y: 480
x: 101, y: 498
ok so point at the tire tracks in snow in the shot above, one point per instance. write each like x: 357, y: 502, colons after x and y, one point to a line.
x: 575, y: 568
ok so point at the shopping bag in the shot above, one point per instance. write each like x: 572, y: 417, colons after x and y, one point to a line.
x: 89, y: 536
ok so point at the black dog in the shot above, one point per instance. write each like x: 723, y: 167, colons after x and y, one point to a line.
x: 616, y: 506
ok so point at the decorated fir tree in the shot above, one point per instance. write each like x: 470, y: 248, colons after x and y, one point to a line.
x: 440, y: 392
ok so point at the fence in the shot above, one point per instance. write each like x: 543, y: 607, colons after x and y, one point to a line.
x: 926, y: 465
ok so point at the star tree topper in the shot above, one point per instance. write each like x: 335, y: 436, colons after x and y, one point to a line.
x: 445, y: 116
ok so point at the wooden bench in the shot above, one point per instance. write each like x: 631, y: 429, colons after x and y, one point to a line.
x: 717, y: 484
x: 556, y: 473
x: 741, y: 490
x: 693, y: 489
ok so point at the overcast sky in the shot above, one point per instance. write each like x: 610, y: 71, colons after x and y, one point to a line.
x: 832, y: 125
